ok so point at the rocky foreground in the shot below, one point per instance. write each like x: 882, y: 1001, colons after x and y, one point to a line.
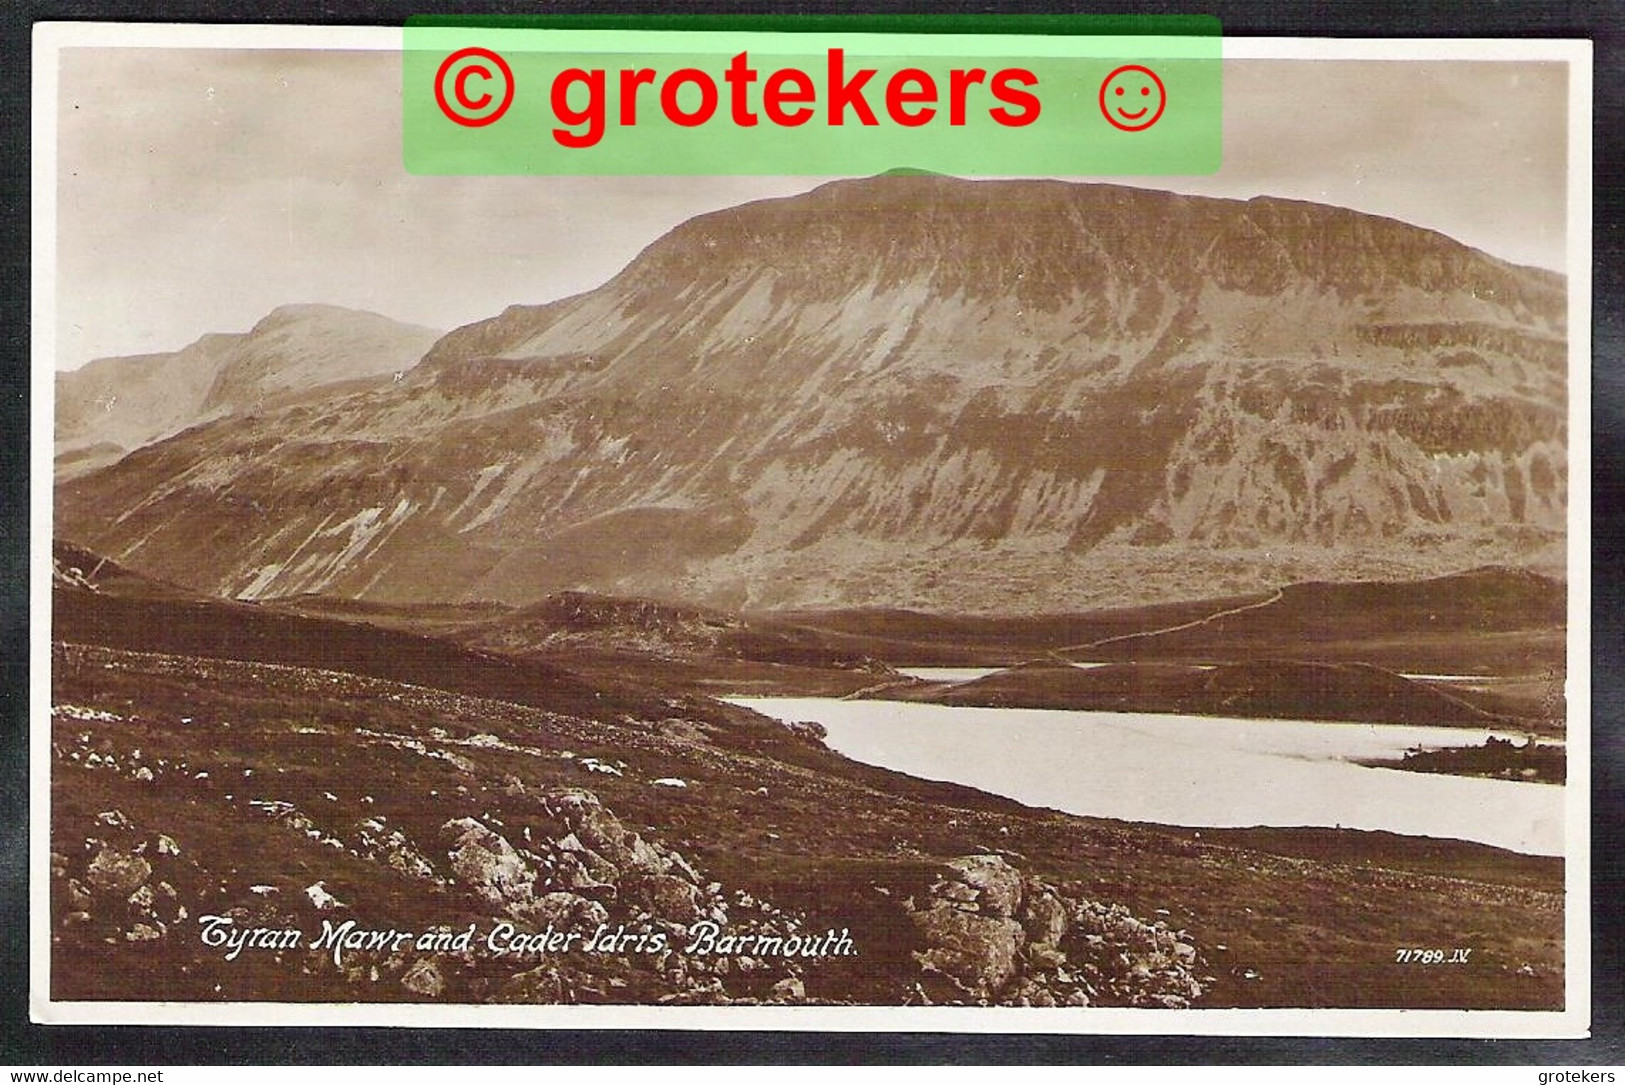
x: 239, y: 831
x: 566, y: 901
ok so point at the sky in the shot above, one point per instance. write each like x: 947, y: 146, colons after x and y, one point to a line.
x: 198, y: 189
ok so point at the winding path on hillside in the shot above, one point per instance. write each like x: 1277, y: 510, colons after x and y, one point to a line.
x: 1057, y: 654
x: 1228, y: 612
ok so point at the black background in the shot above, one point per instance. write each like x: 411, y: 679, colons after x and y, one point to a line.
x: 24, y: 1043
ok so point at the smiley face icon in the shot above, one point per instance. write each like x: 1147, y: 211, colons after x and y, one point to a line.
x: 1132, y: 98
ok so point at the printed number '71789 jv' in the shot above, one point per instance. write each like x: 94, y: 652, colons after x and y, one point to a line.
x: 1431, y: 956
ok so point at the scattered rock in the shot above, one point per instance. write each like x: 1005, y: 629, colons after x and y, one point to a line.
x: 991, y: 935
x: 321, y: 899
x: 424, y: 978
x: 78, y: 895
x: 539, y: 985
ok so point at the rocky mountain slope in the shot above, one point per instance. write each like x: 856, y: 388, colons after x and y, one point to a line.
x: 112, y: 405
x: 917, y: 391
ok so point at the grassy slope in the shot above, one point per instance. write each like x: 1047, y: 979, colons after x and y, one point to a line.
x: 1490, y: 621
x: 1268, y: 689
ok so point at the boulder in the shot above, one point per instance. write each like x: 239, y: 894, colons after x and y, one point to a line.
x: 595, y: 830
x: 601, y: 869
x: 1044, y: 957
x: 564, y: 911
x: 996, y: 884
x: 977, y: 952
x: 424, y: 978
x: 668, y: 897
x: 573, y: 873
x: 1045, y: 918
x: 116, y: 874
x: 78, y: 895
x: 321, y: 899
x: 487, y: 863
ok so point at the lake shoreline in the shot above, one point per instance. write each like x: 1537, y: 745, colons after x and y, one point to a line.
x: 1192, y: 772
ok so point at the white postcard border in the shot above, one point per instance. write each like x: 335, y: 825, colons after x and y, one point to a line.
x: 1571, y: 1022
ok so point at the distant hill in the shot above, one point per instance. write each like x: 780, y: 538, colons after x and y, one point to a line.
x: 102, y: 603
x: 113, y: 405
x: 1266, y: 689
x: 1466, y: 607
x: 1489, y: 620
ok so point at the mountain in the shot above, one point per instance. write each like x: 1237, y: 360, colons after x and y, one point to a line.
x: 913, y: 391
x: 113, y: 405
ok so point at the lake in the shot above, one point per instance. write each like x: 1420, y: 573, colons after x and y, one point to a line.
x: 948, y: 674
x: 1190, y: 770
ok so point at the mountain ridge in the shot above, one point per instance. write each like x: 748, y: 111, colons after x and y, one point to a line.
x: 811, y: 401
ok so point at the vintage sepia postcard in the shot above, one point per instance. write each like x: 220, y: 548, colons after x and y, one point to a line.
x: 895, y: 601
